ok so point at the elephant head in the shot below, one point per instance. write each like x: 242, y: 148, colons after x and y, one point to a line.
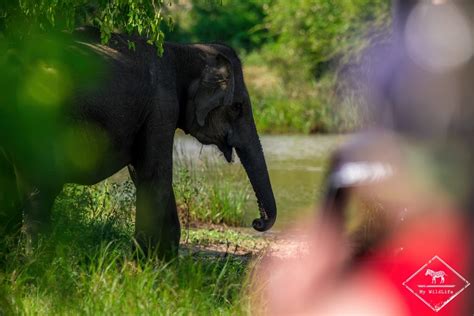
x: 219, y: 112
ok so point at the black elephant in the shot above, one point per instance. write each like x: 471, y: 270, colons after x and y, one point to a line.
x: 136, y: 107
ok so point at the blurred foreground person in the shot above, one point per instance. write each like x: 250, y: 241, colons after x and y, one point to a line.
x: 409, y: 177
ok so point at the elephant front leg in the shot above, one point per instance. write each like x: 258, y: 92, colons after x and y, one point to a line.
x: 39, y: 203
x: 157, y: 227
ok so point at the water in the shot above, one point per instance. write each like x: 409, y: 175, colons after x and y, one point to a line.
x: 296, y: 163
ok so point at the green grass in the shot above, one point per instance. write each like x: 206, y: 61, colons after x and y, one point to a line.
x: 203, y: 196
x: 294, y: 105
x: 104, y: 279
x: 210, y: 201
x: 87, y: 266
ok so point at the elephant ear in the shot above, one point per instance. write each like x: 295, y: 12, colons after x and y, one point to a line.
x: 215, y: 88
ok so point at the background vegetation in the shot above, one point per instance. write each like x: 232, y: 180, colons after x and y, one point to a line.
x: 297, y: 54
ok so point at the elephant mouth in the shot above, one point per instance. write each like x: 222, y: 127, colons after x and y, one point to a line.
x: 227, y: 151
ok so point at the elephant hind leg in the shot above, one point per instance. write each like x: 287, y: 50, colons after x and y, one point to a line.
x: 11, y: 216
x: 39, y: 203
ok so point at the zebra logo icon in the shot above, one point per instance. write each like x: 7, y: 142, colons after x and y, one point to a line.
x: 436, y: 283
x: 436, y: 274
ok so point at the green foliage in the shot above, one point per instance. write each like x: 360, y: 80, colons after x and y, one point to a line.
x: 19, y: 18
x: 279, y: 114
x: 311, y: 33
x: 281, y: 106
x: 306, y: 114
x: 236, y: 23
x: 37, y: 82
x: 313, y: 41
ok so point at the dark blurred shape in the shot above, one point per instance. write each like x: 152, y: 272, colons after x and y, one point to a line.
x: 413, y: 167
x: 421, y: 96
x: 38, y: 74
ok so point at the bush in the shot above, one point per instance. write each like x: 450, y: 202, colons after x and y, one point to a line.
x: 310, y: 107
x: 303, y: 86
x: 18, y: 19
x: 236, y: 23
x: 312, y: 34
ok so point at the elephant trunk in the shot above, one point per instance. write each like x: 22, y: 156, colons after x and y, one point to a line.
x: 253, y: 160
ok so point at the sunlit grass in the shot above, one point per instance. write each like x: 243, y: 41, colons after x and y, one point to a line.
x: 87, y: 266
x: 210, y: 201
x: 73, y: 280
x: 207, y: 193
